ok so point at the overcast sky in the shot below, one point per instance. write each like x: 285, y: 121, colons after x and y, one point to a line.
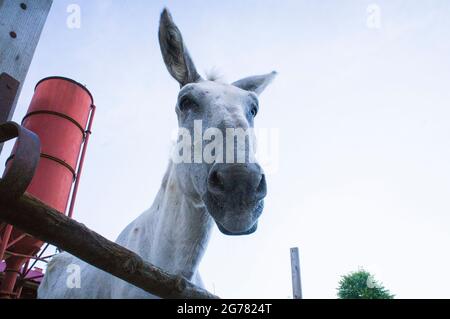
x: 362, y: 109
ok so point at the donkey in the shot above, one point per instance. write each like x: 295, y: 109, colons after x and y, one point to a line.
x: 174, y: 232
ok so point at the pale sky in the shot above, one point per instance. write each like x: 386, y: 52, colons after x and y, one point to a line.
x: 363, y: 178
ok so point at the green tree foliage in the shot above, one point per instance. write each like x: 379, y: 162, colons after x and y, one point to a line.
x: 361, y: 285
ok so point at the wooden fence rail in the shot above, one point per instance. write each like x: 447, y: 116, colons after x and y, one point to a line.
x: 37, y: 219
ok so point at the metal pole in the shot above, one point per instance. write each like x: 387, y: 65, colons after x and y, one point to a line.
x: 21, y: 282
x: 296, y: 280
x: 80, y: 165
x: 5, y: 240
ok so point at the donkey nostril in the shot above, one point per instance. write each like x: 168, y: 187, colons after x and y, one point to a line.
x: 216, y: 181
x: 261, y: 190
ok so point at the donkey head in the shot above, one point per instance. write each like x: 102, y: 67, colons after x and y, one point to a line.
x: 232, y: 187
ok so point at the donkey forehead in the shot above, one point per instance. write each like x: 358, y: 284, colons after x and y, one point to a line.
x: 218, y: 93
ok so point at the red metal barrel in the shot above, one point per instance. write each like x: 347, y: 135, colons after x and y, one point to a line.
x: 58, y: 114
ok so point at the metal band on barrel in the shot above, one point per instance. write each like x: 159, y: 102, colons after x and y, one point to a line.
x: 52, y: 158
x: 64, y: 116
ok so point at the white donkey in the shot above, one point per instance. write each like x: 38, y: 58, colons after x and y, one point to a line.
x: 174, y: 232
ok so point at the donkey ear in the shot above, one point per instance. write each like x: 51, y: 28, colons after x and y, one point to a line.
x: 174, y: 52
x: 257, y: 83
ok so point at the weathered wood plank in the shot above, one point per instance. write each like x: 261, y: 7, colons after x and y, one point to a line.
x: 21, y: 24
x: 37, y: 219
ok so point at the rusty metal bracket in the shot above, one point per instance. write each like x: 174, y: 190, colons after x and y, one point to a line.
x: 9, y: 87
x: 18, y: 175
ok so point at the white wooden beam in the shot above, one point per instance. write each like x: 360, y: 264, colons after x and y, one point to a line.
x: 21, y: 24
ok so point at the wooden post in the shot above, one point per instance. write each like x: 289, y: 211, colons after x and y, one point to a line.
x: 296, y: 280
x: 21, y: 24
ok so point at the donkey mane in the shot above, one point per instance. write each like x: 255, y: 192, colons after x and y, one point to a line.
x: 215, y: 75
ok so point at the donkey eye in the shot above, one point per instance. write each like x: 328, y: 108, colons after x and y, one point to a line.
x: 254, y: 111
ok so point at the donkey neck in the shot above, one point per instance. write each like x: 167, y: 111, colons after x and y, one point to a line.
x: 181, y: 227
